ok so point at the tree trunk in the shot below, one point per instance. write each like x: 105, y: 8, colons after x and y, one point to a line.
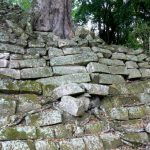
x: 54, y: 16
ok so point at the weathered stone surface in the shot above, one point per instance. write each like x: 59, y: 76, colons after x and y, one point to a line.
x: 93, y: 142
x: 30, y: 87
x: 119, y: 113
x: 7, y: 107
x: 96, y: 89
x: 35, y: 51
x: 111, y: 141
x: 11, y: 48
x: 131, y: 65
x: 77, y: 59
x: 45, y: 118
x: 134, y: 73
x: 142, y: 57
x: 3, y: 63
x: 111, y: 62
x: 18, y: 133
x: 120, y: 70
x: 61, y: 80
x: 45, y: 132
x: 62, y: 70
x: 148, y: 128
x: 36, y: 44
x: 136, y: 52
x: 100, y: 55
x: 120, y: 56
x: 144, y: 65
x: 74, y: 106
x: 28, y: 63
x: 33, y: 73
x: 4, y: 37
x: 107, y: 53
x: 110, y: 79
x: 11, y: 73
x: 45, y: 145
x: 145, y: 73
x: 131, y: 58
x: 54, y: 52
x: 4, y: 55
x: 72, y: 144
x: 16, y: 56
x: 136, y: 138
x: 66, y: 43
x: 15, y: 145
x: 68, y: 89
x: 97, y: 67
x: 28, y: 102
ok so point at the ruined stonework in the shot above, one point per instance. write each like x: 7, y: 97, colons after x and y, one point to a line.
x: 77, y: 94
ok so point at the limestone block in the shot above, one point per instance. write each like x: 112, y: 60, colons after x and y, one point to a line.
x: 144, y: 97
x: 131, y: 58
x: 4, y: 55
x: 136, y: 52
x: 54, y: 52
x: 44, y: 118
x: 15, y: 145
x: 145, y: 73
x: 120, y: 56
x: 68, y: 89
x: 142, y: 57
x: 111, y: 62
x: 120, y: 70
x: 110, y: 79
x: 18, y: 133
x: 144, y: 65
x: 93, y: 142
x: 148, y: 128
x: 3, y: 63
x: 134, y: 73
x: 33, y: 73
x: 65, y: 79
x: 119, y: 113
x: 36, y: 44
x: 11, y: 48
x: 34, y: 51
x: 74, y: 106
x: 11, y: 73
x: 96, y: 89
x: 45, y: 133
x: 28, y: 63
x: 66, y: 43
x: 62, y: 70
x: 93, y: 67
x: 73, y: 50
x: 131, y: 65
x: 77, y: 59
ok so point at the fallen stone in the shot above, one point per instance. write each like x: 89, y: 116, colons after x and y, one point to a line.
x: 93, y: 67
x: 44, y: 118
x: 111, y: 62
x: 62, y: 80
x: 74, y: 106
x: 120, y: 70
x: 134, y: 73
x: 28, y: 63
x: 77, y: 59
x: 145, y: 73
x: 110, y: 79
x: 10, y: 73
x: 62, y: 70
x: 11, y: 48
x: 96, y: 89
x: 131, y: 65
x: 119, y: 114
x: 4, y: 55
x: 34, y: 73
x: 68, y: 89
x: 15, y: 145
x: 3, y: 63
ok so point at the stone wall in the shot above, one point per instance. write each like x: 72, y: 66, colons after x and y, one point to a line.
x: 71, y: 94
